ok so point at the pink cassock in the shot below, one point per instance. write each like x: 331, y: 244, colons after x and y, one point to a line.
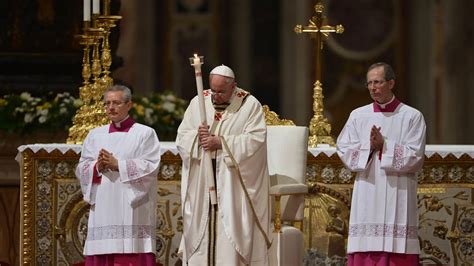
x: 135, y: 259
x: 382, y: 258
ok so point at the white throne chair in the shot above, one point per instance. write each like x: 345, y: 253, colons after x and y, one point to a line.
x: 287, y: 149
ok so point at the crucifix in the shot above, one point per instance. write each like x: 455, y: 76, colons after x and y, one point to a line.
x: 319, y: 128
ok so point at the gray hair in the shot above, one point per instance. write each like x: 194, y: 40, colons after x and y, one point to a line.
x: 387, y: 69
x: 127, y: 93
x: 228, y: 80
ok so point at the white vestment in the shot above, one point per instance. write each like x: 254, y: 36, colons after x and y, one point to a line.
x: 122, y: 217
x: 242, y: 182
x: 384, y: 205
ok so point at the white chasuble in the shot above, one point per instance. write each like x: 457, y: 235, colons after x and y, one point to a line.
x: 383, y: 213
x: 242, y: 183
x: 122, y: 216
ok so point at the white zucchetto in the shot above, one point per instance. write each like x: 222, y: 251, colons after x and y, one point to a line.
x: 223, y: 70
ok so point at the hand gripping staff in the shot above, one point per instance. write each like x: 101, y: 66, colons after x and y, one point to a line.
x: 196, y: 62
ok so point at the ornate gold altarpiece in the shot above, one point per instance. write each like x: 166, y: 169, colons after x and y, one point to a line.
x: 54, y: 217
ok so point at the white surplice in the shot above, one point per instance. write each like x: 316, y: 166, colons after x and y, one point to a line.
x: 383, y: 213
x: 242, y: 183
x: 122, y: 217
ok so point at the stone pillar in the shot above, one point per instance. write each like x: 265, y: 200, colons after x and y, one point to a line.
x: 136, y: 46
x: 145, y: 47
x: 441, y: 64
x: 420, y: 76
x: 241, y: 40
x: 457, y: 92
x: 296, y: 62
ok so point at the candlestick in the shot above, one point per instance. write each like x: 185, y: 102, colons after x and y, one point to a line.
x: 96, y: 7
x: 196, y: 61
x: 106, y: 7
x: 87, y: 10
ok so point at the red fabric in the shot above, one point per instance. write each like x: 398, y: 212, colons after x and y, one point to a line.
x: 124, y: 126
x: 135, y: 259
x: 96, y: 177
x: 382, y: 258
x: 388, y: 108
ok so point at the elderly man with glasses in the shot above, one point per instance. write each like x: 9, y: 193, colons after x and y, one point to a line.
x: 235, y: 230
x: 384, y: 143
x: 117, y: 171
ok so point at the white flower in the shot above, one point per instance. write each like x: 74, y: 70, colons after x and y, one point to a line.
x: 170, y: 97
x: 169, y: 107
x: 149, y: 118
x: 145, y: 100
x: 25, y: 96
x: 63, y: 110
x: 77, y: 102
x: 42, y: 119
x: 148, y: 112
x: 29, y: 118
x: 43, y: 112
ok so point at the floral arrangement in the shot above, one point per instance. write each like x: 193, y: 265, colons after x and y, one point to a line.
x: 163, y: 112
x: 25, y: 114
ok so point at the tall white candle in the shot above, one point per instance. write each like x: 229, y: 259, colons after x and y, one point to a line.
x: 96, y: 7
x: 200, y: 88
x: 87, y: 10
x: 196, y: 63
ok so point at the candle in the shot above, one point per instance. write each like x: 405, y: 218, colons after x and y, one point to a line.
x: 96, y: 7
x: 196, y: 60
x: 87, y: 10
x: 106, y: 7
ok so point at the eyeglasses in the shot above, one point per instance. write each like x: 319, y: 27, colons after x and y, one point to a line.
x: 374, y: 83
x: 113, y: 104
x: 220, y: 93
x: 226, y: 88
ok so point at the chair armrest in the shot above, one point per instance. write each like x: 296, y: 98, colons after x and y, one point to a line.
x: 288, y: 189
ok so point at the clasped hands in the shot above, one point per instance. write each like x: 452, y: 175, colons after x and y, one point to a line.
x: 376, y: 139
x: 207, y: 140
x: 106, y: 161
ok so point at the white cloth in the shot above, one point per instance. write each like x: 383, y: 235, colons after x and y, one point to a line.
x: 122, y: 217
x: 384, y: 205
x: 227, y: 254
x: 242, y: 159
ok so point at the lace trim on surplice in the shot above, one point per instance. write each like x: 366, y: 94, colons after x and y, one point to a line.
x: 132, y: 169
x: 398, y: 154
x: 354, y: 159
x: 120, y: 232
x: 383, y: 230
x: 85, y: 178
